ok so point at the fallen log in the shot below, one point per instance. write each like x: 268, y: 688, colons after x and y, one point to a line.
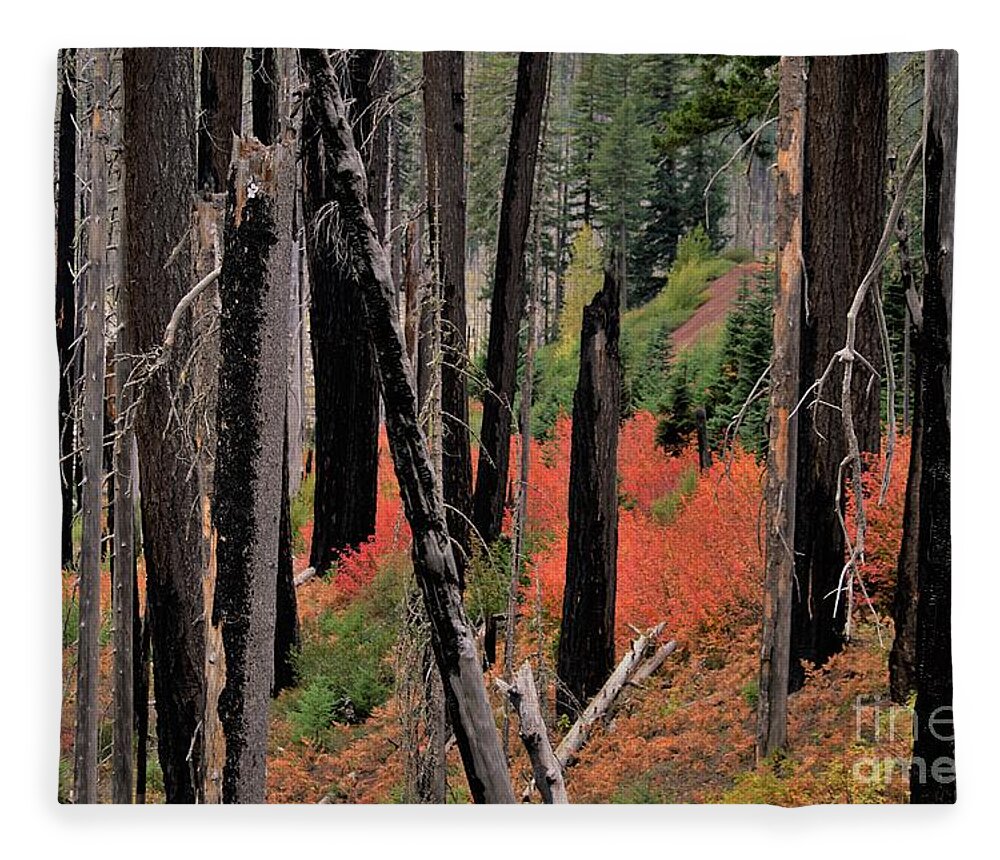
x: 602, y: 703
x: 651, y: 665
x: 548, y: 772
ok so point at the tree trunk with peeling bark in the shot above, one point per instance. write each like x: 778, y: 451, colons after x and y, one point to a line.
x: 587, y: 637
x: 433, y: 561
x: 932, y: 773
x: 507, y: 305
x: 780, y: 496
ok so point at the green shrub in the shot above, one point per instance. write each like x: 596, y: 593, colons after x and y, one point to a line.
x: 343, y: 667
x: 666, y: 508
x: 737, y: 255
x: 302, y: 511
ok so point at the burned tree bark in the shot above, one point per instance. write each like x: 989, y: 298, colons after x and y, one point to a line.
x: 843, y: 202
x: 65, y: 194
x: 248, y: 474
x: 347, y: 410
x: 221, y: 115
x: 286, y: 621
x: 444, y: 109
x: 587, y: 637
x: 92, y: 432
x: 507, y: 305
x: 772, y: 708
x: 160, y: 171
x: 433, y: 560
x: 932, y: 774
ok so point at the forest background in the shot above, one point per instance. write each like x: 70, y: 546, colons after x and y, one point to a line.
x: 29, y: 501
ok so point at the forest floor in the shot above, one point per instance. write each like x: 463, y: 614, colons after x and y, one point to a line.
x: 689, y: 554
x: 711, y: 316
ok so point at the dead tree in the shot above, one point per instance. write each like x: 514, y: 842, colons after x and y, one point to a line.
x: 433, y: 561
x: 160, y: 171
x: 507, y: 305
x: 843, y: 204
x: 587, y: 637
x: 772, y: 713
x: 444, y: 110
x: 221, y: 114
x: 932, y: 773
x: 65, y: 200
x: 347, y: 408
x: 85, y: 747
x: 248, y: 473
x: 534, y: 735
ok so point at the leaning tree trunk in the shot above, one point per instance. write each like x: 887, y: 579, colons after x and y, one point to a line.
x: 85, y: 748
x: 444, y: 109
x: 433, y: 560
x: 249, y: 465
x: 65, y: 292
x: 843, y: 200
x: 587, y: 637
x: 347, y: 409
x: 932, y: 774
x: 772, y: 708
x: 159, y: 185
x: 507, y: 304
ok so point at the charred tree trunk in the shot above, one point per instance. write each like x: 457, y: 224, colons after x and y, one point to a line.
x: 160, y: 171
x: 444, y: 109
x: 248, y: 474
x: 772, y: 708
x: 286, y: 622
x: 65, y: 193
x: 507, y: 305
x: 92, y: 435
x: 903, y: 657
x: 843, y: 202
x: 587, y: 637
x: 932, y: 774
x: 347, y: 410
x: 221, y: 115
x: 433, y: 559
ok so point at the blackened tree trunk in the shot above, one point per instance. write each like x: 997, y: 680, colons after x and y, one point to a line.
x: 843, y: 202
x: 932, y: 774
x: 347, y: 411
x: 772, y: 707
x: 249, y: 464
x: 160, y: 171
x: 444, y: 110
x: 286, y: 621
x: 65, y: 193
x: 221, y: 114
x: 507, y: 304
x: 587, y: 637
x: 433, y: 560
x: 92, y: 437
x: 903, y: 656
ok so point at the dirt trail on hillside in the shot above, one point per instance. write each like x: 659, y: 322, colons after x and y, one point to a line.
x: 712, y: 314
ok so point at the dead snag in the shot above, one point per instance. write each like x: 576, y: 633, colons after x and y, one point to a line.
x: 433, y: 562
x: 783, y: 444
x: 248, y: 473
x: 587, y: 638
